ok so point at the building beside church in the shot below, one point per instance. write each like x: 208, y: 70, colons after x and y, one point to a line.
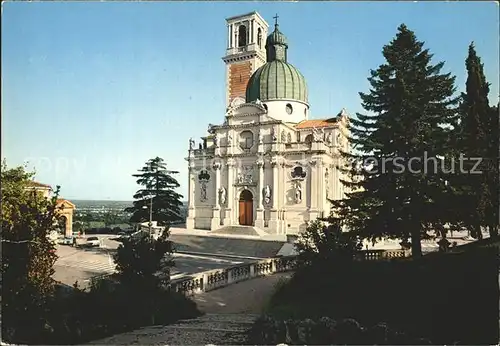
x: 268, y: 165
x: 65, y: 209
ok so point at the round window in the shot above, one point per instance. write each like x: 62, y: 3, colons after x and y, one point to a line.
x: 289, y: 108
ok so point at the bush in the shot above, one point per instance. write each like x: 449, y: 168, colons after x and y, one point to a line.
x: 445, y: 297
x: 111, y: 308
x: 325, y: 331
x: 326, y: 243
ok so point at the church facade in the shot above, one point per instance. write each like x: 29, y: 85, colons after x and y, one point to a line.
x: 267, y: 165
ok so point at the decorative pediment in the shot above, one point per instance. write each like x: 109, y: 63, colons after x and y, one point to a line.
x: 65, y: 204
x: 248, y: 109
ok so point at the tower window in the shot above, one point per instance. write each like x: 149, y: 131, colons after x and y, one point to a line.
x: 289, y: 108
x: 242, y: 36
x: 259, y: 37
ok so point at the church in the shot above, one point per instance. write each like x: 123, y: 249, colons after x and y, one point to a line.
x: 267, y: 166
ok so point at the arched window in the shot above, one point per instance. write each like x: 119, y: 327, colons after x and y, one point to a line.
x: 308, y: 139
x: 259, y: 37
x: 246, y: 140
x: 242, y: 36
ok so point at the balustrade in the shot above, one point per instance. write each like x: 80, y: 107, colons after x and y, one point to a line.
x: 211, y: 280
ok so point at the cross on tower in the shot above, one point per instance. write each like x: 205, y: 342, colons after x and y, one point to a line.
x: 276, y: 19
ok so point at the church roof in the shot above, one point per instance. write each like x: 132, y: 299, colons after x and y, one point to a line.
x: 307, y: 124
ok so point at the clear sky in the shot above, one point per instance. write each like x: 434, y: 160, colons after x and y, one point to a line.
x: 90, y: 91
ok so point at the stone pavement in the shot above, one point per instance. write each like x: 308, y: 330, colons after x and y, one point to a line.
x: 230, y: 312
x: 251, y: 248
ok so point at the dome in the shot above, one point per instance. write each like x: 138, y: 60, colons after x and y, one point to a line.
x: 277, y: 80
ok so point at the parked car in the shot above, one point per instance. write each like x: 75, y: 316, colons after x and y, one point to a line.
x: 93, y: 241
x: 68, y: 241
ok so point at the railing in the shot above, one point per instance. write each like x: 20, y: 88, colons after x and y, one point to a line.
x: 213, y: 279
x: 375, y: 255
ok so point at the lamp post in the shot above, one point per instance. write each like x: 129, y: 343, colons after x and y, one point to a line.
x: 150, y: 214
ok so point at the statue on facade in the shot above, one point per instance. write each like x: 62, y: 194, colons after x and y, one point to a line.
x: 222, y: 196
x: 267, y: 194
x: 258, y: 102
x: 298, y: 194
x: 191, y: 143
x: 283, y: 136
x: 261, y: 139
x: 229, y: 111
x: 273, y: 134
x: 229, y: 139
x: 203, y: 191
x: 317, y: 135
x: 200, y: 146
x: 216, y: 140
x: 289, y: 138
x: 329, y: 138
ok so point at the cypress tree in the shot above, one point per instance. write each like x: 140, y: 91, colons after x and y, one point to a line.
x: 477, y: 140
x: 411, y: 110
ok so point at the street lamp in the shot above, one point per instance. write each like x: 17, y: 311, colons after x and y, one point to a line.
x: 150, y: 214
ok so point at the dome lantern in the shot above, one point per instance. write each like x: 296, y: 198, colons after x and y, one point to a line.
x: 276, y: 44
x: 277, y: 79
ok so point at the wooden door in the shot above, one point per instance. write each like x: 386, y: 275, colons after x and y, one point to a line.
x: 242, y: 211
x: 249, y: 213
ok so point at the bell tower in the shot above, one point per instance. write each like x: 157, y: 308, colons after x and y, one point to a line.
x: 245, y: 52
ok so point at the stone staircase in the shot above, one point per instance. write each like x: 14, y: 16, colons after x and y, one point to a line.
x: 240, y: 230
x: 216, y: 329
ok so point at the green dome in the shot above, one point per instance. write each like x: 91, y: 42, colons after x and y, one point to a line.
x: 276, y: 80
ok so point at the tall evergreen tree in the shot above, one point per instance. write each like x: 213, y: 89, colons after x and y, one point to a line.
x: 158, y: 185
x: 413, y: 110
x: 478, y: 138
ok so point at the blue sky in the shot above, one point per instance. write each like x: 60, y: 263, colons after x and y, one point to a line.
x: 91, y: 90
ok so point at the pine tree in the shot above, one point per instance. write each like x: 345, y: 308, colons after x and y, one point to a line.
x: 413, y: 110
x: 477, y: 140
x: 159, y: 185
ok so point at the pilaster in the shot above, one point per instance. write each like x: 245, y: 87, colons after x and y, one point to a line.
x: 259, y: 221
x: 191, y: 196
x: 273, y: 213
x: 231, y: 198
x: 314, y: 185
x: 215, y: 223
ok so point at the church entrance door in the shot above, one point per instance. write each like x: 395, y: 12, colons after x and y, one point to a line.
x: 246, y: 208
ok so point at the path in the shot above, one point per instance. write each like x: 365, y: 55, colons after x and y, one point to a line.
x: 246, y: 297
x: 230, y: 310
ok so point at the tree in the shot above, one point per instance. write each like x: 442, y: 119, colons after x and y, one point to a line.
x: 475, y: 141
x: 326, y: 244
x: 159, y: 184
x: 28, y: 255
x: 396, y: 188
x: 143, y: 266
x: 140, y: 258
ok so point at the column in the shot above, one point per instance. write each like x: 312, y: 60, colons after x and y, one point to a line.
x: 252, y: 32
x: 273, y: 219
x: 259, y: 221
x: 190, y: 224
x: 230, y: 199
x: 216, y: 209
x: 229, y: 36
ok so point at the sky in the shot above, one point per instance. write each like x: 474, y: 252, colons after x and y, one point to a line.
x: 92, y: 90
